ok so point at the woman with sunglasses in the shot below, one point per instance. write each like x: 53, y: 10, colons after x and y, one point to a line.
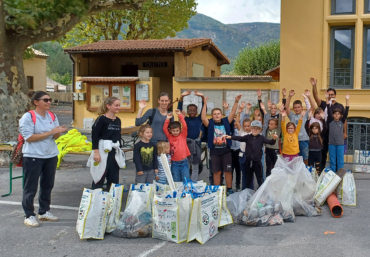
x: 39, y: 128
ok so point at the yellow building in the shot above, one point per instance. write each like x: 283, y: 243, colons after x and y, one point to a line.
x: 140, y: 69
x: 35, y: 71
x: 328, y: 40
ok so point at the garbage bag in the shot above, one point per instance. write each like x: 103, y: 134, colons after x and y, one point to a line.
x: 346, y: 190
x: 92, y: 214
x: 326, y: 185
x: 136, y: 220
x: 114, y: 206
x: 237, y: 202
x: 304, y: 190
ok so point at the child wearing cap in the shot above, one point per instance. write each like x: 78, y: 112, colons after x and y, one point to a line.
x: 253, y: 153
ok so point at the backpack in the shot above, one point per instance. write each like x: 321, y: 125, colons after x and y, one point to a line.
x: 17, y: 154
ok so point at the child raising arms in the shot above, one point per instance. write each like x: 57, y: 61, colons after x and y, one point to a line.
x: 179, y: 148
x: 145, y: 156
x: 290, y: 133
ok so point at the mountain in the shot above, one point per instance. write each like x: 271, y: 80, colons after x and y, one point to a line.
x: 230, y: 38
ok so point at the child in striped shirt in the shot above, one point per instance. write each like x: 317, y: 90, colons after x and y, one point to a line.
x: 163, y: 147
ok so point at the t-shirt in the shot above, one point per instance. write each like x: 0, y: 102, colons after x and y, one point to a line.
x: 145, y: 156
x: 302, y: 132
x: 157, y: 124
x: 336, y: 127
x: 106, y: 129
x: 194, y: 124
x: 42, y: 149
x: 219, y: 143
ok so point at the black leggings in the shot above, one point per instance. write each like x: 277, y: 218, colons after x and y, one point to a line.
x: 255, y: 168
x: 111, y: 172
x: 314, y: 160
x: 236, y: 166
x: 271, y: 157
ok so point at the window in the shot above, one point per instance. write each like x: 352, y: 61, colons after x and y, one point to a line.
x: 343, y: 6
x: 342, y: 57
x: 367, y: 6
x: 198, y: 70
x: 124, y: 91
x: 366, y: 58
x: 30, y: 82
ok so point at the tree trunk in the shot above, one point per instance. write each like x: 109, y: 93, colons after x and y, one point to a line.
x: 14, y: 101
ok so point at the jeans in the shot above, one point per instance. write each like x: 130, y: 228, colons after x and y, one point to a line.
x: 180, y: 170
x: 35, y: 169
x: 336, y: 155
x: 303, y: 149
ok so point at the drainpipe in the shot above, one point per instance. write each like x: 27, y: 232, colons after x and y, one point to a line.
x: 187, y: 67
x: 73, y: 87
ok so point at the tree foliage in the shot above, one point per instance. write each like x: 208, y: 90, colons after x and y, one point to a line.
x: 156, y: 19
x: 255, y: 61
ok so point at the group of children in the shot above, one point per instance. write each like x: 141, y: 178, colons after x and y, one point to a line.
x: 242, y: 142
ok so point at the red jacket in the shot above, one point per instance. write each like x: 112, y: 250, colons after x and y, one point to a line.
x: 179, y: 147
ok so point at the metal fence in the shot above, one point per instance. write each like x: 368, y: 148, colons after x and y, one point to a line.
x: 358, y: 144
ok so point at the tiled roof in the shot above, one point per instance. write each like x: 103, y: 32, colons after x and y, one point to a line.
x: 148, y: 45
x: 108, y: 79
x: 273, y: 69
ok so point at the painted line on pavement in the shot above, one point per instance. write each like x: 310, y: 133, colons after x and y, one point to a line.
x: 51, y: 206
x: 155, y: 248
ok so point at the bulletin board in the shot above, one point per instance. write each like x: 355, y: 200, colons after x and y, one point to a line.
x: 125, y: 92
x: 214, y: 101
x: 249, y: 96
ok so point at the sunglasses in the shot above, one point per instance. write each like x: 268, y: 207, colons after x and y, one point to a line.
x: 46, y: 100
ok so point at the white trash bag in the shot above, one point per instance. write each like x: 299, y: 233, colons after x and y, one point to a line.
x: 114, y: 206
x: 171, y: 217
x: 225, y: 215
x: 92, y: 214
x: 346, y: 190
x: 204, y: 220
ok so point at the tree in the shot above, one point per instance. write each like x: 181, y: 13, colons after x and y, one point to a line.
x: 255, y: 61
x: 157, y: 19
x: 24, y: 23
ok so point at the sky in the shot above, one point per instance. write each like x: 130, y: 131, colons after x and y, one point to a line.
x: 240, y: 11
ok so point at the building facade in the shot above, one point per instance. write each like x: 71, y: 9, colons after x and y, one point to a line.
x: 35, y: 71
x: 328, y: 40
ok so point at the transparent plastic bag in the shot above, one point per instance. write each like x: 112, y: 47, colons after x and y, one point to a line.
x: 136, y: 220
x: 238, y: 202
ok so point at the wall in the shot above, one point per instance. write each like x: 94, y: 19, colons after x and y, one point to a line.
x: 127, y: 119
x: 305, y: 49
x: 178, y: 86
x: 206, y: 58
x: 60, y: 96
x: 36, y: 67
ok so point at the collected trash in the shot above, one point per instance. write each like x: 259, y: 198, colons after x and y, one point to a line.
x: 91, y: 221
x: 237, y: 202
x: 334, y: 206
x: 346, y: 190
x: 114, y: 206
x: 327, y: 183
x: 205, y: 216
x: 136, y: 220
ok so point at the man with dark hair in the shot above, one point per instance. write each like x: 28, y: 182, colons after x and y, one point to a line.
x: 194, y: 122
x: 332, y: 93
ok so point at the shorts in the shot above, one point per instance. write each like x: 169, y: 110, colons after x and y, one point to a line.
x: 303, y: 149
x: 221, y: 162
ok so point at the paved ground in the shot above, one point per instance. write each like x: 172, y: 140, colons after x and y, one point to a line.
x: 306, y: 237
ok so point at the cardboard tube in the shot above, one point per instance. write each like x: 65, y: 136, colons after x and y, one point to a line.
x: 334, y: 206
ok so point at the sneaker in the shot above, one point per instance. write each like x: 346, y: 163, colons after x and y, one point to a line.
x: 230, y: 192
x: 31, y: 221
x: 48, y: 216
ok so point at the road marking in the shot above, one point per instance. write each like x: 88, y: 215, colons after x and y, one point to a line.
x: 155, y: 248
x: 51, y: 206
